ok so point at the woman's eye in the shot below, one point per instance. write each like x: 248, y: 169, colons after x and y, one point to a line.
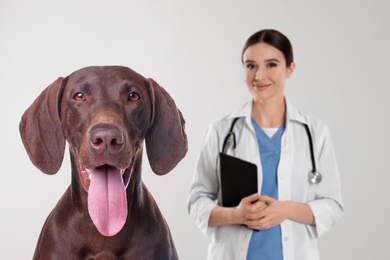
x: 134, y: 96
x: 79, y: 96
x: 250, y: 66
x: 272, y: 65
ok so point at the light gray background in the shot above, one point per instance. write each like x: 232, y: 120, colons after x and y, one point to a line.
x: 192, y: 48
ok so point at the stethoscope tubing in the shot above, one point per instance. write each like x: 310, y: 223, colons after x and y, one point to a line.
x: 313, y: 161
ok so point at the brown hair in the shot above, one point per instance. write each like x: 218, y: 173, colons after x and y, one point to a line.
x: 273, y: 38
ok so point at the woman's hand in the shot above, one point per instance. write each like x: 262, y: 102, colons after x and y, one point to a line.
x: 248, y: 206
x: 221, y: 216
x: 274, y: 213
x: 262, y: 212
x: 277, y: 211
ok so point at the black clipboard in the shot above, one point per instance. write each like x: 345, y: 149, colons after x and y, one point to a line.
x: 238, y: 177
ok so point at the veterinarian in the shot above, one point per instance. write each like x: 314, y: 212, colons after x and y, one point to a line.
x: 293, y: 207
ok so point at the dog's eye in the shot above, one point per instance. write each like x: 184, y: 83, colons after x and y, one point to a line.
x: 79, y: 96
x: 134, y: 96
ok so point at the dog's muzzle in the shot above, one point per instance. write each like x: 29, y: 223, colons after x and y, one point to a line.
x: 106, y: 183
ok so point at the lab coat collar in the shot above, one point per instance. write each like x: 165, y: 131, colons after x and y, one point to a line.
x: 246, y: 111
x: 293, y: 114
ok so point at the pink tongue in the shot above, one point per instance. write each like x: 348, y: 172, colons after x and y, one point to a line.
x: 107, y: 204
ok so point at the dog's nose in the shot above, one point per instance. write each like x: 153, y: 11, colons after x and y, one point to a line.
x: 106, y: 138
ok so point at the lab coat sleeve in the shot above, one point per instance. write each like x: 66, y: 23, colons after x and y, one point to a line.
x: 205, y: 185
x: 327, y: 207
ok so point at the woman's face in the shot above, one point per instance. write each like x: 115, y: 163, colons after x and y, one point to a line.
x: 265, y: 71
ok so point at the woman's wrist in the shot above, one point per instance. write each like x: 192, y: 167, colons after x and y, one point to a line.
x: 221, y: 216
x: 299, y: 212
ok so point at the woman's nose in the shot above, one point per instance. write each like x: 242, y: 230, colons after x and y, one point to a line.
x: 259, y: 74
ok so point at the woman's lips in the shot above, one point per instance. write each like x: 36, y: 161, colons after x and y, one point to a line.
x: 261, y: 85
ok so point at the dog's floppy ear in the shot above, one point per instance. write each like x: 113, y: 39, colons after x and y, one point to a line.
x: 41, y: 130
x: 166, y: 140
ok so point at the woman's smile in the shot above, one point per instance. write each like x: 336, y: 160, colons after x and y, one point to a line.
x: 261, y: 86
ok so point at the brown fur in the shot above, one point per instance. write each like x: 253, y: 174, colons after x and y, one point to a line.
x: 55, y: 116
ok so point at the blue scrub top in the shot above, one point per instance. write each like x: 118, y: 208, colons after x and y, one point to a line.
x: 267, y: 244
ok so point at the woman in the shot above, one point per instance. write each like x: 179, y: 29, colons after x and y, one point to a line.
x: 289, y: 212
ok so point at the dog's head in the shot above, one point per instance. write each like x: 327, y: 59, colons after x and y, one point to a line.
x: 105, y: 114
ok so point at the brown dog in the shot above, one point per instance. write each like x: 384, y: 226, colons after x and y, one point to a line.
x: 105, y: 114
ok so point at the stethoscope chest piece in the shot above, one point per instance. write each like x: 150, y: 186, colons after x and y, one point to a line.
x: 315, y: 177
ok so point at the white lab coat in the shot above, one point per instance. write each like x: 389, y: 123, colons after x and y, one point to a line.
x: 299, y: 240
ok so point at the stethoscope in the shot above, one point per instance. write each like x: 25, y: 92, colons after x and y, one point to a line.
x: 314, y: 176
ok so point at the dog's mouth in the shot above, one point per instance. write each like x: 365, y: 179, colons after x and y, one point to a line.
x: 86, y: 175
x: 107, y: 203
